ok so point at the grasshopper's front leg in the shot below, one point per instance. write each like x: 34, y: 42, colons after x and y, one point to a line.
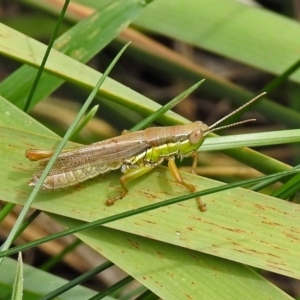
x: 128, y: 176
x: 176, y: 174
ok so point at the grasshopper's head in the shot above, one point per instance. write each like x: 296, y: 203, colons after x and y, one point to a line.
x: 198, y: 133
x: 195, y: 134
x: 189, y: 137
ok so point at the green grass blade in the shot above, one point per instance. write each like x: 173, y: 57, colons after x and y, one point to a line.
x: 147, y: 121
x: 18, y: 284
x: 45, y: 58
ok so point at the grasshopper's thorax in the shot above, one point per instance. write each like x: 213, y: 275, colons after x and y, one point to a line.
x: 197, y: 134
x: 161, y: 136
x: 180, y: 140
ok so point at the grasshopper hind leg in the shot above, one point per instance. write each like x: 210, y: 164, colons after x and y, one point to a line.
x: 128, y: 176
x: 176, y: 174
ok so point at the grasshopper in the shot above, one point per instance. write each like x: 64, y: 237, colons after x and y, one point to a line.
x: 135, y: 153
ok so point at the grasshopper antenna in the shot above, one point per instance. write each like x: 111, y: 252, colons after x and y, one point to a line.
x: 212, y: 127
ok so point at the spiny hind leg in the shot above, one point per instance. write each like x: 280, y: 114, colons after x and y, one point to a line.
x: 176, y: 174
x: 127, y: 177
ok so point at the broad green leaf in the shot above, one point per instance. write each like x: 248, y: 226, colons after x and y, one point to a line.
x: 174, y: 272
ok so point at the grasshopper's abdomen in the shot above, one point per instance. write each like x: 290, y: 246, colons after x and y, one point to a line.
x: 63, y: 179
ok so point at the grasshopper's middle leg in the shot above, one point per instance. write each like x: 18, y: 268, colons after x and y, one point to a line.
x: 176, y: 174
x: 128, y: 176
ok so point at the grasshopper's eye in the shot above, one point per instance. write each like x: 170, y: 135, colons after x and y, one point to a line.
x: 199, y: 122
x: 195, y: 136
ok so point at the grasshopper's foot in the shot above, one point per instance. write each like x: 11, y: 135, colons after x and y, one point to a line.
x: 111, y: 201
x: 202, y: 206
